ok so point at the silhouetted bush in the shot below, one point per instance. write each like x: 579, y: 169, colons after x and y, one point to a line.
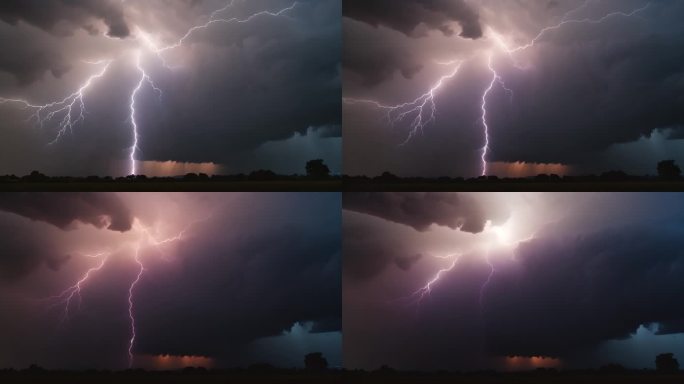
x: 315, y: 361
x: 669, y: 170
x: 317, y: 169
x: 665, y: 362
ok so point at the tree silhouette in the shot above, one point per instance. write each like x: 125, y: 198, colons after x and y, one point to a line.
x: 317, y: 169
x: 665, y: 362
x: 315, y: 362
x: 668, y: 169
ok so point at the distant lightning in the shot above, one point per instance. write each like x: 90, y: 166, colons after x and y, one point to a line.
x: 423, y: 109
x: 213, y: 20
x: 487, y: 281
x: 71, y: 111
x: 566, y: 21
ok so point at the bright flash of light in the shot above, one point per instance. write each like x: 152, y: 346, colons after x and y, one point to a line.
x: 417, y: 107
x: 71, y: 111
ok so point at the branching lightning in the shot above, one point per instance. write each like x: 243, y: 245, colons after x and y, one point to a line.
x: 71, y: 111
x: 422, y: 110
x: 417, y: 108
x: 425, y: 290
x: 145, y: 240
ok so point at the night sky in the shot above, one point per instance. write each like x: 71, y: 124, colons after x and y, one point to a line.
x: 229, y: 279
x: 261, y: 90
x: 586, y: 97
x: 512, y: 281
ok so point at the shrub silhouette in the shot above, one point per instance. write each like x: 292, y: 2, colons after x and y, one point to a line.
x: 665, y: 362
x: 315, y: 362
x: 317, y: 169
x: 668, y: 169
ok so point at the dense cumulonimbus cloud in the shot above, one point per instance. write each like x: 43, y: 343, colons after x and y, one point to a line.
x: 28, y: 64
x: 421, y: 210
x: 623, y: 278
x: 566, y: 276
x: 223, y: 275
x: 406, y: 16
x: 259, y: 89
x: 566, y: 99
x: 101, y: 210
x: 62, y: 17
x: 21, y: 254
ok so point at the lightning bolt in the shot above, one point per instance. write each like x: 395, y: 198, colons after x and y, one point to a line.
x: 486, y: 283
x: 65, y: 298
x: 511, y: 52
x: 495, y: 79
x: 213, y: 20
x: 146, y: 239
x: 135, y: 282
x: 144, y: 79
x: 426, y: 102
x: 71, y: 110
x: 423, y: 109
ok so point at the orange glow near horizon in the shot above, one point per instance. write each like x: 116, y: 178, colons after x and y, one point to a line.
x: 173, y: 362
x: 521, y: 169
x: 521, y: 363
x: 174, y: 168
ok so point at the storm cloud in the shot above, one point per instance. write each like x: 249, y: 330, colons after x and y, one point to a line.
x: 62, y: 17
x: 406, y: 16
x: 542, y: 307
x: 246, y: 271
x: 566, y: 102
x: 62, y: 210
x: 421, y: 210
x: 258, y: 90
x: 583, y: 279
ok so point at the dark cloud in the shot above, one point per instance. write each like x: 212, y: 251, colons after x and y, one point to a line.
x: 598, y: 267
x: 255, y: 278
x: 421, y: 210
x: 21, y: 254
x: 244, y: 96
x: 375, y: 61
x: 235, y: 282
x: 547, y: 123
x: 286, y: 70
x: 570, y: 292
x: 573, y: 92
x: 366, y: 255
x: 62, y: 210
x: 406, y: 16
x: 62, y: 17
x: 28, y: 64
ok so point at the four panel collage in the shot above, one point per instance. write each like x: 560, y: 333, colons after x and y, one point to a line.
x: 333, y: 191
